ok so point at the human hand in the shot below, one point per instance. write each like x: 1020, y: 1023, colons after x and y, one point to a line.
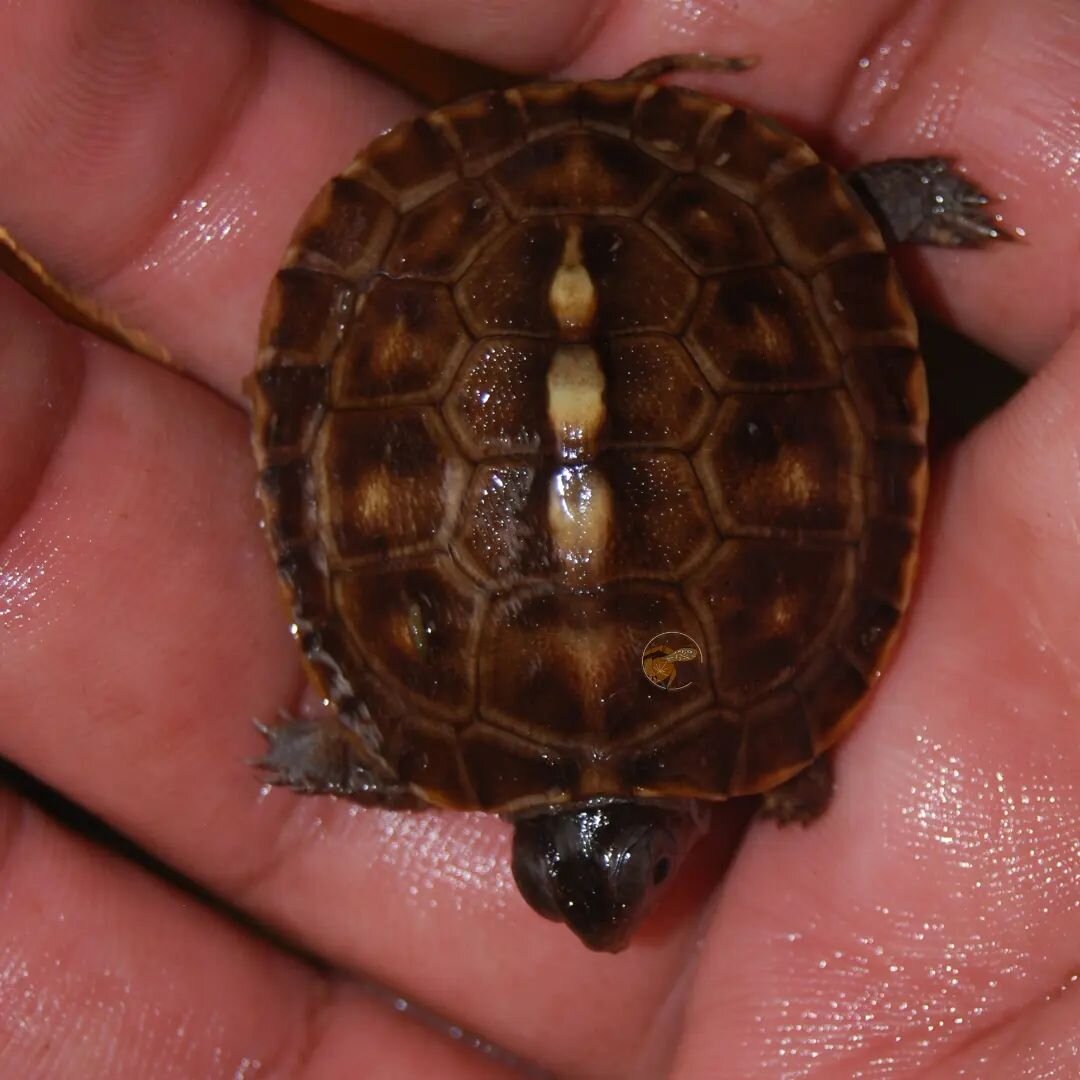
x: 156, y: 157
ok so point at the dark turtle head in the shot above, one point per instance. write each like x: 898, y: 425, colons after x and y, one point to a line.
x: 598, y: 866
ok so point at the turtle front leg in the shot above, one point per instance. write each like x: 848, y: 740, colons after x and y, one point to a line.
x: 804, y: 797
x: 926, y: 201
x: 320, y: 758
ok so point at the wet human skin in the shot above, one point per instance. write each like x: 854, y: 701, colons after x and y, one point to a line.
x: 156, y: 156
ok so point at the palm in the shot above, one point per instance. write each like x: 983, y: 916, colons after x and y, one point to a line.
x: 157, y: 158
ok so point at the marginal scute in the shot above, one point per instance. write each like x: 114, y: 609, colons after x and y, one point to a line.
x: 888, y: 553
x: 743, y: 153
x: 483, y: 128
x: 303, y: 573
x: 777, y: 743
x: 306, y: 314
x: 549, y: 107
x: 888, y: 385
x: 896, y: 484
x: 350, y: 686
x: 761, y: 328
x: 289, y: 402
x: 346, y: 229
x: 287, y: 494
x: 871, y: 631
x: 830, y: 688
x: 668, y: 122
x: 414, y: 160
x: 608, y: 106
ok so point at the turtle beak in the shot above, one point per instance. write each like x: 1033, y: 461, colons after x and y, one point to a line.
x: 601, y: 922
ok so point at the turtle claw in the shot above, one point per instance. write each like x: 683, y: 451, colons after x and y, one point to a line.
x: 927, y: 201
x: 296, y: 755
x: 317, y: 758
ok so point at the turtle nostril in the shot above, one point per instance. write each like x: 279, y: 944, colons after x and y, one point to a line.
x: 661, y: 870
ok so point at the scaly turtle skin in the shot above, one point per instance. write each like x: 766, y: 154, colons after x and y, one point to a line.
x: 555, y: 370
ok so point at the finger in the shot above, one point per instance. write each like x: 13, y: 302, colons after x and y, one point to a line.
x: 991, y: 83
x: 157, y: 156
x: 491, y: 30
x: 219, y: 186
x: 108, y: 972
x: 142, y: 632
x: 924, y: 917
x: 154, y: 623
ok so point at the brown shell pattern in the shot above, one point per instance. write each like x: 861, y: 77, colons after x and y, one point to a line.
x: 552, y: 371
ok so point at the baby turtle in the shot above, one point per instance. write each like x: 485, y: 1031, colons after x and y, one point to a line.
x: 559, y: 369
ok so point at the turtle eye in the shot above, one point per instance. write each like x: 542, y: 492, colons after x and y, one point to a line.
x: 661, y: 870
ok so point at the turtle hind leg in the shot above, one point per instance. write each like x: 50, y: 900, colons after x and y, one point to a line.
x: 926, y: 201
x: 804, y: 797
x: 319, y: 758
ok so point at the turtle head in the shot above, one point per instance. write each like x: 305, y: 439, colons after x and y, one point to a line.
x: 599, y: 865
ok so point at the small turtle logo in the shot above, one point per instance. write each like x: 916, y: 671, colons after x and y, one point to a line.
x: 661, y: 657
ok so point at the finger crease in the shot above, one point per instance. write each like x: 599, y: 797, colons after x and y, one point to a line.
x: 251, y: 77
x: 905, y: 35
